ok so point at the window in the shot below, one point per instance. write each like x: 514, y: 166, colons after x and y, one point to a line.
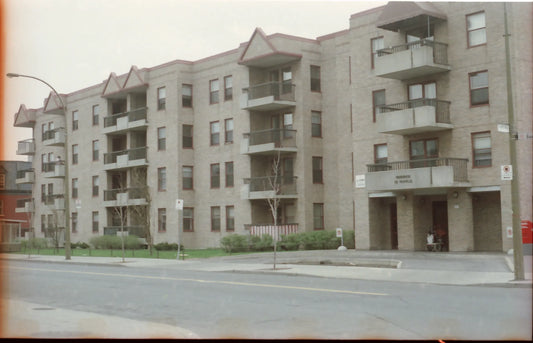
x: 96, y: 114
x: 161, y: 98
x: 187, y: 136
x: 186, y: 95
x: 426, y: 150
x: 162, y: 179
x: 286, y: 75
x: 1, y: 207
x: 74, y: 219
x: 2, y: 181
x: 479, y: 88
x: 215, y: 133
x: 375, y: 45
x: 380, y: 153
x: 482, y: 149
x: 215, y: 218
x: 44, y: 161
x: 50, y: 221
x: 188, y: 219
x: 315, y: 79
x: 96, y: 186
x: 230, y: 218
x: 75, y: 154
x: 229, y: 174
x: 318, y: 216
x: 228, y: 124
x: 161, y: 138
x: 476, y: 29
x: 317, y: 169
x: 423, y: 91
x: 96, y: 221
x: 162, y: 219
x: 43, y: 193
x: 287, y: 125
x: 75, y: 118
x: 378, y: 99
x: 187, y: 177
x: 74, y: 188
x: 213, y: 91
x: 44, y: 128
x: 228, y: 87
x: 43, y: 222
x: 316, y: 124
x: 215, y: 175
x: 96, y: 150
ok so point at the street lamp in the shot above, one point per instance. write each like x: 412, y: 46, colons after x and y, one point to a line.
x: 66, y: 182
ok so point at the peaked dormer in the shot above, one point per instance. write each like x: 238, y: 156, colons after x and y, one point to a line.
x: 112, y: 86
x: 262, y: 53
x: 25, y: 117
x: 54, y: 105
x: 135, y: 80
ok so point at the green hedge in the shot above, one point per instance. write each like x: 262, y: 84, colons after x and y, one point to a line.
x: 313, y: 240
x: 34, y: 243
x: 115, y: 242
x: 165, y: 246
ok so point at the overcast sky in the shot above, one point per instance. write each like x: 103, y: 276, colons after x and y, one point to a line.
x: 73, y: 44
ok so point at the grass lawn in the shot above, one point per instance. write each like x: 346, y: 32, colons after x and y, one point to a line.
x: 141, y: 253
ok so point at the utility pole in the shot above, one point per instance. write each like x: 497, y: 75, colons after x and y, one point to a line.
x: 518, y: 254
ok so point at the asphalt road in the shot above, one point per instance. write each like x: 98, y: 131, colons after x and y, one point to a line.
x: 248, y: 305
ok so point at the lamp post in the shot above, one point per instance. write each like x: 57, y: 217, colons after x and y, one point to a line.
x: 66, y: 182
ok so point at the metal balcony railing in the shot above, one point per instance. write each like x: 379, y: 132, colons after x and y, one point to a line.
x: 281, y: 137
x: 50, y: 166
x: 21, y: 203
x: 282, y: 185
x: 133, y: 193
x: 440, y: 50
x: 279, y: 90
x: 49, y: 199
x: 51, y: 134
x: 133, y: 115
x: 22, y: 173
x: 459, y: 166
x: 133, y: 154
x: 442, y: 108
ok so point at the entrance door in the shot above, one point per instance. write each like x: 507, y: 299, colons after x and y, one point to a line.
x: 393, y: 227
x: 440, y: 222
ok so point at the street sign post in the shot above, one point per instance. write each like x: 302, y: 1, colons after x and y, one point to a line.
x: 179, y: 207
x: 338, y: 232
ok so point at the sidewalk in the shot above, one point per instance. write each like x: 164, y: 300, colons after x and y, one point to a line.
x: 494, y: 269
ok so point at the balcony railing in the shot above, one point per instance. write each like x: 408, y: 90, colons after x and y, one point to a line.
x: 280, y: 137
x: 282, y: 185
x: 21, y: 174
x: 26, y: 147
x: 279, y: 90
x: 24, y: 203
x: 442, y: 108
x: 459, y: 166
x: 275, y: 231
x: 133, y: 154
x: 138, y: 230
x: 133, y: 193
x: 50, y: 199
x: 133, y: 115
x: 440, y: 50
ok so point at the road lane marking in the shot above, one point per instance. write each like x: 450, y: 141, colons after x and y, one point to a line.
x: 233, y: 283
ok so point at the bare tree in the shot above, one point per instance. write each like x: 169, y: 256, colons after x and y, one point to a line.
x: 274, y: 182
x: 121, y: 208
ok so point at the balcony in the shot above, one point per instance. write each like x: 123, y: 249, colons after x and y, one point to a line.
x: 125, y: 197
x: 55, y: 202
x: 25, y: 176
x: 26, y: 147
x: 267, y: 142
x: 126, y: 158
x: 138, y: 231
x: 415, y: 116
x: 275, y: 231
x: 415, y: 59
x: 423, y: 174
x: 25, y: 206
x: 121, y: 122
x: 268, y: 96
x: 54, y: 137
x: 268, y: 187
x: 54, y: 169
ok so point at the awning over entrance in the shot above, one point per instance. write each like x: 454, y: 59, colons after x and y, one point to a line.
x: 399, y: 15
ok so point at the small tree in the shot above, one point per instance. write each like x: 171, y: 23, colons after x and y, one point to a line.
x: 142, y: 214
x: 274, y: 182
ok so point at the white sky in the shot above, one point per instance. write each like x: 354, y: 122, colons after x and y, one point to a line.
x: 73, y: 44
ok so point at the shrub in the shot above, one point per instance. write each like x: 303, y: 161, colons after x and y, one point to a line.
x: 34, y: 243
x: 263, y: 243
x: 165, y: 246
x: 234, y: 243
x: 79, y: 245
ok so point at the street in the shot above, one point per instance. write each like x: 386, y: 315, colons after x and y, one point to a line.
x: 251, y: 305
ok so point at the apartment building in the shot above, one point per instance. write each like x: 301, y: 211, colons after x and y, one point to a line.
x: 390, y: 128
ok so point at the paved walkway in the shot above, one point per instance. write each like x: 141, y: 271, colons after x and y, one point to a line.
x: 39, y: 321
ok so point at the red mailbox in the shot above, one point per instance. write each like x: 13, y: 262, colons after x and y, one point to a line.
x: 527, y: 232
